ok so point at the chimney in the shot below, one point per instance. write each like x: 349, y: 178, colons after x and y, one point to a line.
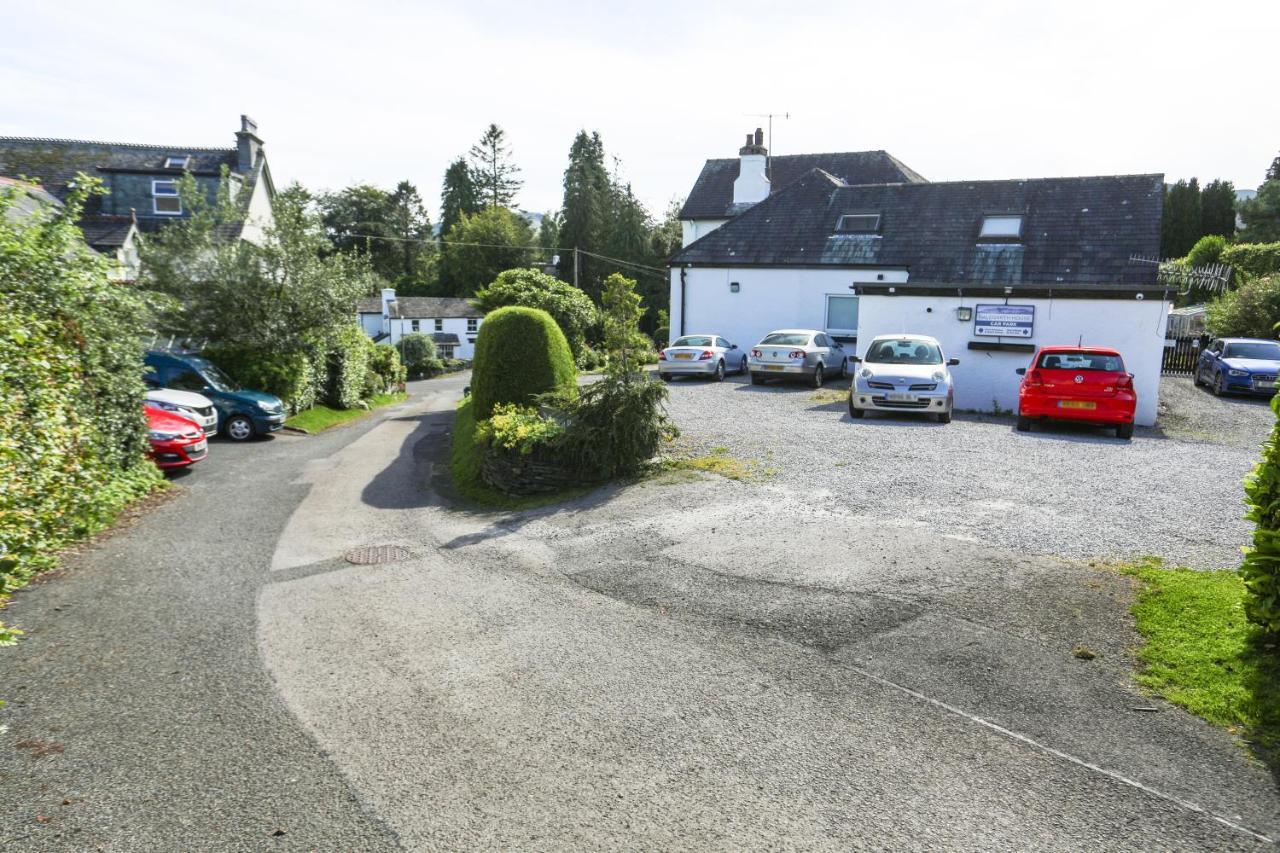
x: 752, y: 184
x: 388, y: 307
x: 248, y: 145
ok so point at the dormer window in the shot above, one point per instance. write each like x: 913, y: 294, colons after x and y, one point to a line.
x: 177, y: 161
x: 858, y: 223
x: 164, y: 198
x: 1002, y: 228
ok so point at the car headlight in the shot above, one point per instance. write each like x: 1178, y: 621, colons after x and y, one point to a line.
x: 1234, y: 372
x: 157, y: 435
x: 265, y: 406
x: 866, y: 373
x: 939, y: 376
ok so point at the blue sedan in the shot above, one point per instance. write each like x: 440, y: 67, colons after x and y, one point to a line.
x: 1239, y: 366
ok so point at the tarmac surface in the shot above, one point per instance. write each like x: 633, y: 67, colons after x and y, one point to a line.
x: 686, y: 662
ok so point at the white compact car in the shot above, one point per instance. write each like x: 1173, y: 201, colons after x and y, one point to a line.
x: 700, y: 355
x: 904, y: 373
x: 186, y: 404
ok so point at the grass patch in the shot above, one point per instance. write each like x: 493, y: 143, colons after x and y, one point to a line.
x: 319, y: 417
x: 829, y: 396
x: 719, y: 462
x: 464, y: 464
x: 1203, y: 655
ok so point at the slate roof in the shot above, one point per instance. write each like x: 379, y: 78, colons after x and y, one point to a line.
x: 712, y: 194
x: 1075, y: 230
x: 422, y: 307
x: 27, y: 198
x: 106, y: 232
x: 445, y: 338
x: 55, y: 162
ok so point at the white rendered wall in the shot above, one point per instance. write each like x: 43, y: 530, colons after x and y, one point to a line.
x: 1135, y: 328
x: 464, y: 349
x: 259, y: 217
x: 752, y: 183
x: 692, y: 229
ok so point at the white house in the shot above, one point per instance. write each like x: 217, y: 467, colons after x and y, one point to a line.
x: 452, y: 323
x: 992, y: 269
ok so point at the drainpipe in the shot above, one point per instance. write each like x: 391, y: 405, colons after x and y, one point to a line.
x: 683, y: 271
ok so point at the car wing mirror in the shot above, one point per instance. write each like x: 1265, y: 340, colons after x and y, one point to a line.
x: 733, y: 346
x: 854, y: 359
x: 1021, y: 371
x: 952, y: 362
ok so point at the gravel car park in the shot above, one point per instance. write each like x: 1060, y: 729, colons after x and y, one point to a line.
x: 1070, y: 491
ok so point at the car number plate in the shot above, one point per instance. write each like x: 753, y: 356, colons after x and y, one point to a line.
x: 773, y: 367
x: 685, y: 356
x: 900, y: 397
x: 1077, y: 404
x: 199, y: 446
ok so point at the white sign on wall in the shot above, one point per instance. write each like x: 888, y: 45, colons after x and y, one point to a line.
x: 1005, y: 321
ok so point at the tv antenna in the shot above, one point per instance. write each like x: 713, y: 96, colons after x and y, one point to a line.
x: 768, y: 160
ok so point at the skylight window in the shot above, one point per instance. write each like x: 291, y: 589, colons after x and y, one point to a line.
x: 858, y: 223
x: 177, y: 161
x: 1001, y: 228
x: 164, y: 198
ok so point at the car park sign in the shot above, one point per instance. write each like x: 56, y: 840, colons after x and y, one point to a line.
x: 1005, y: 321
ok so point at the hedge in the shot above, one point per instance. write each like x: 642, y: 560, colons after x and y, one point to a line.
x: 520, y: 353
x: 1250, y: 311
x: 418, y: 352
x: 1253, y: 259
x: 291, y: 376
x: 349, y: 356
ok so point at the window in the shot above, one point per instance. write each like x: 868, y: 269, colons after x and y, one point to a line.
x: 693, y: 341
x: 1259, y: 350
x: 439, y: 325
x: 187, y: 380
x: 414, y: 325
x: 904, y: 352
x: 842, y: 315
x: 446, y: 350
x: 858, y: 223
x: 786, y: 339
x: 472, y: 323
x: 177, y: 161
x: 164, y: 198
x: 1082, y: 361
x: 722, y: 343
x: 1001, y: 228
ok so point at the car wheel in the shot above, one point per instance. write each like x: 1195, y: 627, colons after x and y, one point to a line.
x: 1124, y: 431
x: 854, y: 411
x: 239, y: 428
x: 1218, y: 390
x: 719, y: 374
x: 743, y: 369
x: 944, y: 417
x: 1024, y: 424
x: 844, y: 369
x: 816, y: 381
x: 1196, y: 379
x: 757, y: 379
x: 666, y: 377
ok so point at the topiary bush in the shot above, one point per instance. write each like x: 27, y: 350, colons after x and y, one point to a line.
x: 1261, y: 568
x: 520, y: 354
x: 418, y: 353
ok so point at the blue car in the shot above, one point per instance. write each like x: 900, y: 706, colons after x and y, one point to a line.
x: 1239, y: 366
x: 242, y: 413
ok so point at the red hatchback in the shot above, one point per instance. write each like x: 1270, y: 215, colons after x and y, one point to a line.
x: 175, y: 441
x: 1086, y: 384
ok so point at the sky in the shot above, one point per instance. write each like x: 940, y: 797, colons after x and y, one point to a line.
x: 380, y: 91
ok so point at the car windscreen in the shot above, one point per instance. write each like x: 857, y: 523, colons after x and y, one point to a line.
x: 217, y: 380
x: 1261, y: 350
x: 786, y: 339
x: 1102, y: 361
x: 904, y: 352
x: 693, y: 341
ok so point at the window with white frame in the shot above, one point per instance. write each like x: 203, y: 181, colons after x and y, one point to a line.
x: 1001, y: 228
x: 177, y: 161
x: 413, y: 324
x: 439, y: 325
x: 472, y: 323
x: 164, y: 198
x: 446, y: 350
x: 858, y: 223
x: 842, y: 316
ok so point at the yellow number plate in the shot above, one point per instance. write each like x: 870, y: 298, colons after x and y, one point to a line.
x: 1077, y: 404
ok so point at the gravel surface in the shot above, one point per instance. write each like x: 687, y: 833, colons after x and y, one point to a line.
x: 1067, y: 491
x: 1188, y: 413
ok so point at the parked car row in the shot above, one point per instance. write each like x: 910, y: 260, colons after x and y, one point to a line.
x: 911, y: 373
x: 189, y: 399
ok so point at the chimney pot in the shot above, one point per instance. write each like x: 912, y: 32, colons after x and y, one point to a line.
x: 759, y: 136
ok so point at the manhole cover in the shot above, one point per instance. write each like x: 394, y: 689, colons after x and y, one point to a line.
x: 374, y: 554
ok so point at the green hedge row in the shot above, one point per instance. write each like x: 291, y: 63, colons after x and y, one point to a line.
x: 1253, y: 259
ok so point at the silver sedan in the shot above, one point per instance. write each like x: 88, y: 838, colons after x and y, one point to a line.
x: 701, y: 355
x: 798, y: 354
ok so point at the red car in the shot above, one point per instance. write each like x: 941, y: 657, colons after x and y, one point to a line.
x: 175, y: 442
x: 1085, y: 384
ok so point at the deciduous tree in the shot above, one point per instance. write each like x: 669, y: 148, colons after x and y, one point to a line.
x: 483, y: 245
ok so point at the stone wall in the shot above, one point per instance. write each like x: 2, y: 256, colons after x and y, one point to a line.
x: 518, y: 474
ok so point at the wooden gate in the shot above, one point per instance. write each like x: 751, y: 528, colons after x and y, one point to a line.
x: 1181, y: 355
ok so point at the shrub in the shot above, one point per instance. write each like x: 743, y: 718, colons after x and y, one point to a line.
x: 520, y: 353
x: 418, y: 354
x: 614, y: 427
x: 385, y: 362
x: 1261, y: 568
x: 518, y: 428
x: 1207, y: 250
x: 1253, y: 259
x: 572, y: 309
x: 289, y: 375
x: 590, y: 359
x: 349, y: 354
x: 1250, y: 311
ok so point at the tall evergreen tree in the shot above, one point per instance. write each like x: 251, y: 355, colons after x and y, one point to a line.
x: 459, y: 195
x: 1181, y: 225
x: 1273, y: 173
x: 585, y: 206
x: 390, y: 228
x: 549, y: 232
x: 411, y: 250
x: 493, y: 169
x: 1218, y: 209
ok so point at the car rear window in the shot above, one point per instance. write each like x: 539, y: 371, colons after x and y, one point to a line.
x: 786, y: 340
x: 693, y: 341
x: 904, y: 352
x: 1253, y: 349
x: 1102, y: 361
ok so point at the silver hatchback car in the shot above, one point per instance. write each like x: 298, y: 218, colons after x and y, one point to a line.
x: 805, y: 354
